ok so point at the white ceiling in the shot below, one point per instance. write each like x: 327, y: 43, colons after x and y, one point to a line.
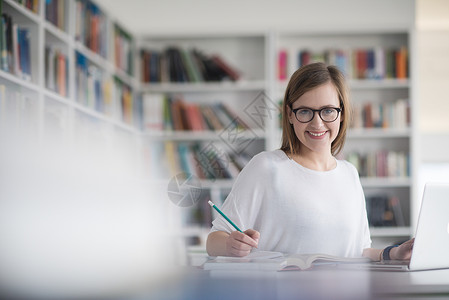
x: 154, y: 17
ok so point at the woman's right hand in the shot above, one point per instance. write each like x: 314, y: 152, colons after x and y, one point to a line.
x: 240, y: 244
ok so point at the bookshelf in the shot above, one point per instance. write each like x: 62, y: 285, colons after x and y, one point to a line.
x: 93, y: 87
x: 245, y: 54
x: 68, y: 70
x: 249, y: 56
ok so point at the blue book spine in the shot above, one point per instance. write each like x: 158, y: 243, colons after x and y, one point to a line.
x: 22, y: 50
x: 4, y: 53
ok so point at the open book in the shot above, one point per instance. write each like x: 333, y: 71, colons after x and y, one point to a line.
x: 277, y: 261
x: 306, y: 261
x: 256, y: 260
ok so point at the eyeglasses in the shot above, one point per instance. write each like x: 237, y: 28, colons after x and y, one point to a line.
x: 327, y: 114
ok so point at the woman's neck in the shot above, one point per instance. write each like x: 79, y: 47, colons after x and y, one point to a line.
x: 315, y: 161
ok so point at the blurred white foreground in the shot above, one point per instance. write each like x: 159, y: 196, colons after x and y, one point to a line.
x: 77, y: 222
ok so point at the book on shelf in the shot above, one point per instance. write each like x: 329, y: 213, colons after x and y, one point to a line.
x: 175, y: 64
x: 91, y: 27
x: 15, y: 48
x: 55, y: 12
x: 392, y: 114
x: 163, y: 112
x: 381, y: 163
x: 122, y: 50
x: 360, y: 63
x: 56, y: 70
x: 125, y: 102
x: 277, y: 261
x: 230, y: 72
x: 204, y: 160
x: 95, y: 90
x: 383, y: 210
x: 32, y: 5
x: 88, y: 80
x: 282, y: 65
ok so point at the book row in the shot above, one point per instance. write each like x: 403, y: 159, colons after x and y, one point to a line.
x: 394, y: 114
x: 176, y: 64
x: 96, y: 90
x: 32, y: 5
x: 55, y: 12
x: 384, y: 210
x: 204, y: 160
x: 56, y: 71
x: 126, y: 108
x: 381, y: 163
x: 123, y: 50
x: 91, y: 27
x: 15, y: 48
x: 162, y: 112
x: 371, y: 63
x: 90, y: 83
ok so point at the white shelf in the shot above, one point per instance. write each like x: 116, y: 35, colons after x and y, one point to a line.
x: 96, y: 58
x: 24, y: 11
x: 55, y: 96
x: 379, y: 182
x: 367, y: 84
x: 60, y: 34
x: 19, y: 81
x: 201, y: 135
x: 390, y: 231
x: 369, y: 133
x: 125, y: 77
x: 379, y: 84
x: 191, y: 87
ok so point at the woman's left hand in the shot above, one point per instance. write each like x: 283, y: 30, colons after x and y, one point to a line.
x: 403, y: 251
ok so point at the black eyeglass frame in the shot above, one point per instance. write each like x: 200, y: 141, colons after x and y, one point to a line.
x: 338, y: 109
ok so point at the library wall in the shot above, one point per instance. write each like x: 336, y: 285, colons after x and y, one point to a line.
x: 432, y: 23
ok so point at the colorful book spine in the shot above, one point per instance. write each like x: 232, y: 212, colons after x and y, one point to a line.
x: 162, y: 112
x: 123, y: 96
x: 91, y: 27
x: 56, y: 74
x: 393, y: 114
x: 175, y: 64
x: 205, y: 161
x: 360, y: 63
x: 55, y: 13
x: 282, y: 65
x: 123, y: 50
x: 381, y: 163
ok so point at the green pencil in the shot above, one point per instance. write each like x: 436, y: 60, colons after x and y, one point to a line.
x: 224, y: 216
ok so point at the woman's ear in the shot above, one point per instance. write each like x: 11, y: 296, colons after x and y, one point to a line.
x: 289, y: 115
x: 342, y: 114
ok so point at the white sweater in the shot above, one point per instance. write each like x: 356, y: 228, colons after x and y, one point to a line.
x: 299, y: 210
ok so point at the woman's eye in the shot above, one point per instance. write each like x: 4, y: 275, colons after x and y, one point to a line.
x: 304, y: 112
x: 328, y: 111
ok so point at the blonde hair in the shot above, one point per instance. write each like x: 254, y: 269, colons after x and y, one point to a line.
x: 303, y: 80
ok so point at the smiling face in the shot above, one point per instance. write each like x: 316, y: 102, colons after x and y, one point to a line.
x: 316, y: 136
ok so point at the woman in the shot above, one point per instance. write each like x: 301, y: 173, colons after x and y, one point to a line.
x: 300, y: 198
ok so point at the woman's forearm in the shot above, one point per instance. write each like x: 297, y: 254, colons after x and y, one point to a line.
x: 371, y: 253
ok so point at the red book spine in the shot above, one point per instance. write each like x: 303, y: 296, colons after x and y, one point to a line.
x: 282, y: 65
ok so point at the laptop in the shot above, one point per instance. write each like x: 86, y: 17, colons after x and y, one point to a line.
x: 431, y: 247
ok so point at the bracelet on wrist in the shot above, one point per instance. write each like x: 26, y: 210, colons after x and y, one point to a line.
x: 386, y: 252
